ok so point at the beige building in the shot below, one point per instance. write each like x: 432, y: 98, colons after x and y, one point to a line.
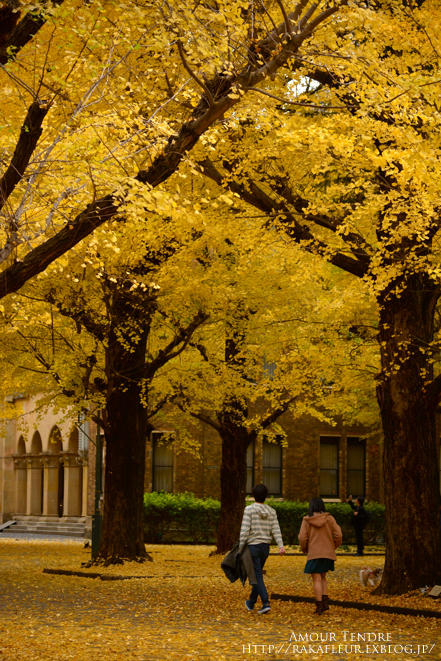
x: 43, y: 468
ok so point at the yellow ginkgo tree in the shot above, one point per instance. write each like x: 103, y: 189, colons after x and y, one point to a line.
x: 354, y: 176
x: 105, y: 101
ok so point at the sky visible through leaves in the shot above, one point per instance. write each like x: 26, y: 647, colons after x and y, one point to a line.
x: 185, y: 609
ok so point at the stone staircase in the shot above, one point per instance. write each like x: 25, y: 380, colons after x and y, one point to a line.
x: 68, y: 527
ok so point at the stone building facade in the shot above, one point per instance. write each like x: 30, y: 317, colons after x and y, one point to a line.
x: 43, y: 467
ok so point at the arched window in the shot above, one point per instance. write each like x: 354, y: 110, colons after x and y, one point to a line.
x: 73, y: 441
x: 55, y: 444
x: 36, y: 444
x: 21, y: 446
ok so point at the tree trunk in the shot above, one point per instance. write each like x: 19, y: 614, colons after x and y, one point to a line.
x: 233, y: 488
x: 126, y: 431
x: 122, y: 535
x: 410, y: 459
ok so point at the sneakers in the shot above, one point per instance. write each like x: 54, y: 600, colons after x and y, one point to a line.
x: 264, y: 609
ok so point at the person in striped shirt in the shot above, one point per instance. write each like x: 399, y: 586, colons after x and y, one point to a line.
x: 259, y: 527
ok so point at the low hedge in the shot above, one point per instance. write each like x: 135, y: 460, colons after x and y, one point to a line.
x: 181, y: 514
x: 168, y: 516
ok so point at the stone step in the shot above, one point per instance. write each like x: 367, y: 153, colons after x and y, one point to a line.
x: 59, y: 526
x: 49, y: 531
x: 45, y: 533
x: 74, y: 521
x: 50, y: 524
x: 44, y: 530
x: 46, y: 522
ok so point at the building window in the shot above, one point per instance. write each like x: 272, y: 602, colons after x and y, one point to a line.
x: 269, y: 369
x: 272, y: 467
x: 329, y: 466
x: 250, y: 467
x: 163, y: 452
x: 356, y: 470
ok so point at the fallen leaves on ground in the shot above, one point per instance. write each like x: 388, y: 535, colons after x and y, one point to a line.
x: 186, y: 610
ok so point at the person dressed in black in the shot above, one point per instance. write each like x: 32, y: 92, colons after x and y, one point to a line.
x: 359, y: 521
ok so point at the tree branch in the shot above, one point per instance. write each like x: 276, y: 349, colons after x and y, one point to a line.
x: 433, y: 393
x: 297, y: 103
x: 184, y: 335
x: 160, y: 405
x: 291, y: 226
x: 79, y: 315
x: 287, y: 21
x: 29, y: 135
x: 21, y: 33
x: 201, y: 418
x: 36, y: 261
x: 165, y: 164
x: 272, y: 417
x: 193, y: 75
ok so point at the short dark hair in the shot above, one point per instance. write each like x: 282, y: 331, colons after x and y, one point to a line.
x: 316, y: 505
x: 360, y: 500
x: 260, y: 492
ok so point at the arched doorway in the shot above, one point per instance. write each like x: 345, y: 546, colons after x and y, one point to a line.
x: 73, y: 474
x: 54, y: 475
x: 35, y: 477
x: 21, y: 485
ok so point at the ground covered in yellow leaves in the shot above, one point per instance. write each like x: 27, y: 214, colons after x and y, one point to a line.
x: 184, y: 608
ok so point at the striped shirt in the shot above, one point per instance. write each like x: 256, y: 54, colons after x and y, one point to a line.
x: 260, y: 526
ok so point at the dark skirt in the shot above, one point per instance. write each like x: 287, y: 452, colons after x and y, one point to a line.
x: 319, y: 566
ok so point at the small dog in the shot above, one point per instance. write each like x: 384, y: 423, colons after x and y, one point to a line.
x: 369, y: 576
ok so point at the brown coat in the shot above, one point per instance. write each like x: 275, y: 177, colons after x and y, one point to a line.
x: 319, y: 536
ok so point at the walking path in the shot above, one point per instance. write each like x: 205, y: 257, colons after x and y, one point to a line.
x: 172, y: 617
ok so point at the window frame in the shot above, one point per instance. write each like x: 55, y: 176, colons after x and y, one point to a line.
x: 161, y: 432
x: 279, y: 468
x: 356, y: 441
x: 330, y: 440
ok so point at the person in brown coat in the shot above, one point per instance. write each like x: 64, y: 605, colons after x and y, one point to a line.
x: 319, y: 536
